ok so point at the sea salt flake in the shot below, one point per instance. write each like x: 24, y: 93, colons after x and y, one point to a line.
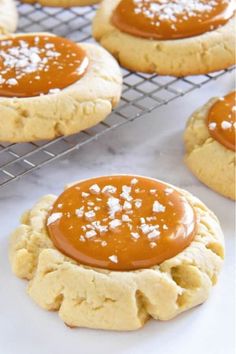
x: 138, y: 203
x: 125, y: 218
x: 153, y: 191
x: 212, y: 125
x: 79, y: 212
x: 115, y: 223
x: 145, y: 228
x: 95, y: 189
x: 158, y: 207
x: 85, y: 195
x: 135, y: 235
x: 153, y: 234
x: 127, y: 206
x: 134, y: 181
x: 226, y: 125
x: 153, y: 244
x: 113, y: 259
x: 114, y: 206
x: 54, y: 217
x: 90, y: 234
x: 126, y: 193
x: 109, y: 189
x: 169, y: 191
x: 12, y: 82
x: 90, y: 215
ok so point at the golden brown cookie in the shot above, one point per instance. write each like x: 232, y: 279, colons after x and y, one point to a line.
x: 59, y: 87
x: 112, y: 252
x: 211, y: 159
x: 8, y: 16
x: 194, y: 54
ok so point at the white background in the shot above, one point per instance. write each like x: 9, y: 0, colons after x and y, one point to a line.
x: 151, y: 146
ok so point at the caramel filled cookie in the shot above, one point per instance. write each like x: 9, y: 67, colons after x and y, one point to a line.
x: 112, y: 252
x: 210, y: 138
x: 175, y: 37
x: 51, y: 86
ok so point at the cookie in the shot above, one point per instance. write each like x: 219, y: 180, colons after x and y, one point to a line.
x: 58, y: 87
x: 210, y: 145
x: 144, y: 38
x: 112, y: 252
x: 8, y: 16
x: 63, y: 3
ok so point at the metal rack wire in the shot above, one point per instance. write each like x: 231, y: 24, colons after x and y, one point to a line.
x: 141, y: 93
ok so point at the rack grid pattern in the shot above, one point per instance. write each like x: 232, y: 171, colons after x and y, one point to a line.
x: 141, y: 93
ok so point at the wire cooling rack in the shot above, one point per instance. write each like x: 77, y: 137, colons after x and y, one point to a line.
x: 141, y: 93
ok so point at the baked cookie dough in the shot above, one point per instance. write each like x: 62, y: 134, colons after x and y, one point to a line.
x: 63, y: 3
x: 58, y: 88
x: 209, y: 160
x: 57, y: 234
x: 136, y: 49
x: 8, y: 16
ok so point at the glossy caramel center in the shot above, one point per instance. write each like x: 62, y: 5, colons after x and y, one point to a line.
x: 221, y: 121
x: 32, y: 65
x: 174, y: 19
x: 121, y: 222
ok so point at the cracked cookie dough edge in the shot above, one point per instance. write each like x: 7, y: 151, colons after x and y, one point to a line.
x: 211, y: 162
x: 211, y: 51
x: 77, y: 107
x: 96, y: 298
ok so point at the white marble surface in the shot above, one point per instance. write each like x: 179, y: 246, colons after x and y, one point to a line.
x: 151, y: 146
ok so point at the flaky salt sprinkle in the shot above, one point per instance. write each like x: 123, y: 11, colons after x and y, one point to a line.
x: 212, y: 125
x: 138, y: 203
x: 134, y: 181
x: 113, y: 258
x: 90, y: 234
x: 153, y: 244
x: 114, y: 206
x: 226, y: 125
x: 109, y: 189
x: 135, y: 235
x: 127, y: 206
x: 89, y: 215
x: 126, y: 218
x: 169, y: 191
x: 85, y: 195
x: 158, y: 207
x: 79, y: 212
x: 54, y: 217
x: 115, y: 223
x: 170, y: 10
x: 95, y: 189
x: 153, y: 234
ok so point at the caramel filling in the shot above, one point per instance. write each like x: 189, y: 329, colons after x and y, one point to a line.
x: 121, y: 222
x: 221, y: 121
x: 175, y: 19
x: 32, y: 65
